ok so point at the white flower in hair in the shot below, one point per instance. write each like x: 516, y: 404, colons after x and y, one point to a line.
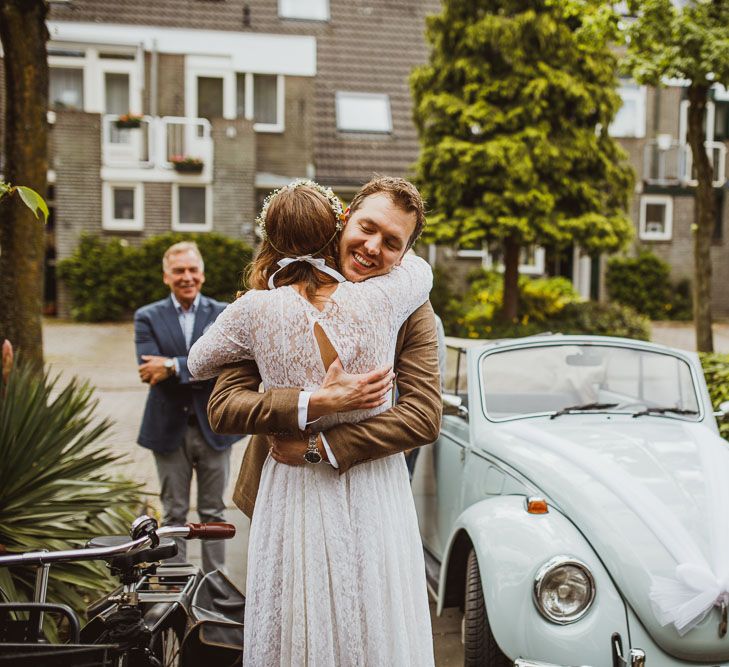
x: 334, y: 203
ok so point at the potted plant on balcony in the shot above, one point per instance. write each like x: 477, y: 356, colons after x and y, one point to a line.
x: 186, y: 164
x: 129, y: 121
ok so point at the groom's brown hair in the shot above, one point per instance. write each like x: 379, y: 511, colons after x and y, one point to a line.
x: 402, y: 193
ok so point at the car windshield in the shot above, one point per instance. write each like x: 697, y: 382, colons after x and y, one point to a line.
x: 574, y: 379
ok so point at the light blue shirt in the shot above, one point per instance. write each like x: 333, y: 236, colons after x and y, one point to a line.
x: 186, y: 318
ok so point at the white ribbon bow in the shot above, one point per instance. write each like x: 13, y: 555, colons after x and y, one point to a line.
x: 317, y: 262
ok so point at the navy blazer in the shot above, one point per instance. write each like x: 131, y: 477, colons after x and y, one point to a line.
x: 157, y: 331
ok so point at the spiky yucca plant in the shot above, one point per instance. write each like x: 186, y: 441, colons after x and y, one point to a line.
x: 55, y: 488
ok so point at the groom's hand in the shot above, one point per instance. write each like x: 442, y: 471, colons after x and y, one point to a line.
x: 290, y: 450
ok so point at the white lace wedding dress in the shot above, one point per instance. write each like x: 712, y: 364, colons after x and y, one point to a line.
x: 335, y: 562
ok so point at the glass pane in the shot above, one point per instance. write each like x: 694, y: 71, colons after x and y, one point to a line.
x: 550, y: 378
x: 240, y: 95
x: 192, y: 206
x: 117, y: 93
x: 317, y: 10
x: 362, y: 112
x: 264, y: 98
x: 655, y: 218
x: 66, y: 88
x: 209, y: 97
x: 123, y: 203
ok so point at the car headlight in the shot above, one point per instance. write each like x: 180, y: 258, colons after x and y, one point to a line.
x: 564, y: 590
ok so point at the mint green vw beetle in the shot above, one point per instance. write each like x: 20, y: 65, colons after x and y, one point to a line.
x: 576, y: 505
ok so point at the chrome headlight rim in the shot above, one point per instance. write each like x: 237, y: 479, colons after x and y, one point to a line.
x: 549, y: 566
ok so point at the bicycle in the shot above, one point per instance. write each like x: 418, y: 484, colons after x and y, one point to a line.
x: 140, y: 624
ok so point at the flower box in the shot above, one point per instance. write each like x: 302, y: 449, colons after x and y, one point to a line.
x: 187, y: 165
x: 128, y: 121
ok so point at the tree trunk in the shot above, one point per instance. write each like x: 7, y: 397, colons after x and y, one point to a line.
x: 511, y: 280
x: 23, y: 34
x: 704, y: 218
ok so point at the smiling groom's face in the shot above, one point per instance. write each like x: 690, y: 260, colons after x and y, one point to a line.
x: 375, y: 238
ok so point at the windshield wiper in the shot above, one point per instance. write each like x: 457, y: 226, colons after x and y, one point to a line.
x: 663, y: 411
x: 581, y: 408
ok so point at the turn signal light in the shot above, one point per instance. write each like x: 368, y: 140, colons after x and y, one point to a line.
x: 535, y: 505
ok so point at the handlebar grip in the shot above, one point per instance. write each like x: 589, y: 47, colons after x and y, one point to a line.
x: 210, y: 531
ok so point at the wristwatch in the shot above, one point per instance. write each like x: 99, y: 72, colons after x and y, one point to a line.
x: 312, y: 454
x: 170, y: 366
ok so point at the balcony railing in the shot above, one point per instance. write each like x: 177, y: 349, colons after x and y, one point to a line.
x: 156, y: 141
x: 669, y: 162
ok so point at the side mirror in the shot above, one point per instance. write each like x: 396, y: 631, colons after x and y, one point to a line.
x: 453, y: 405
x: 723, y: 410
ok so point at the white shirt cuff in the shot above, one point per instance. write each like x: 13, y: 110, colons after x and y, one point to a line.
x: 177, y: 366
x: 304, y: 397
x: 330, y: 454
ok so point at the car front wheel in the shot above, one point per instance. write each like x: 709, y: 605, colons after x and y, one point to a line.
x: 480, y: 647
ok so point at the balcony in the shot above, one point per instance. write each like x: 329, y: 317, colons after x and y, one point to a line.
x: 152, y: 145
x: 668, y: 162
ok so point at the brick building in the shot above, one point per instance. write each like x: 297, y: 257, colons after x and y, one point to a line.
x: 261, y: 91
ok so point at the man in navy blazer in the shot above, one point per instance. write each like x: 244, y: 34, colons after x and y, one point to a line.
x: 175, y: 424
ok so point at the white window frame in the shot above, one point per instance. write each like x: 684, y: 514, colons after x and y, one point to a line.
x: 107, y: 206
x: 683, y: 121
x: 342, y: 95
x: 302, y: 15
x: 181, y: 227
x: 487, y: 261
x: 667, y: 233
x: 277, y: 127
x: 94, y: 70
x: 639, y: 94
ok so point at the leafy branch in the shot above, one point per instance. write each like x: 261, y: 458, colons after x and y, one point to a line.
x: 28, y: 196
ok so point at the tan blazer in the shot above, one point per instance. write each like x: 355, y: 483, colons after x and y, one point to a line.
x: 236, y: 406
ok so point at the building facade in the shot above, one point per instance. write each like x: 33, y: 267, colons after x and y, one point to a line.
x: 247, y: 94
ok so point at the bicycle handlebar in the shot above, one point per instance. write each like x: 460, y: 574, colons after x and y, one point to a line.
x: 190, y: 531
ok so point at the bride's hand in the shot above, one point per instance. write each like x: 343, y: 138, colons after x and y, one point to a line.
x: 341, y: 391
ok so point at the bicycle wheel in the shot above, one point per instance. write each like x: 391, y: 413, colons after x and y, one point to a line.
x: 167, y: 640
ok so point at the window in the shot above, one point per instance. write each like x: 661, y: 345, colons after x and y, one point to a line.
x: 656, y: 218
x: 66, y: 88
x: 531, y: 258
x: 123, y: 206
x: 630, y: 119
x: 313, y: 10
x: 116, y: 86
x: 209, y: 97
x: 260, y: 98
x: 363, y: 112
x: 191, y: 208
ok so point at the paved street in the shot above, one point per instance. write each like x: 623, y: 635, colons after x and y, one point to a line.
x: 103, y: 354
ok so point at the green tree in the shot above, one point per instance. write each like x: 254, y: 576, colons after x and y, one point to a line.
x: 512, y: 112
x: 23, y: 34
x: 690, y: 43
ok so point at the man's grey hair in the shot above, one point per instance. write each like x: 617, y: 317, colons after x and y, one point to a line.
x: 178, y: 248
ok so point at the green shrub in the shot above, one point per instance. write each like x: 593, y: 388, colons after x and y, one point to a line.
x: 600, y: 319
x: 109, y: 280
x: 644, y: 284
x: 57, y: 488
x: 716, y: 372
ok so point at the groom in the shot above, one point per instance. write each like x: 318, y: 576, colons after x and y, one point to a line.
x: 384, y: 219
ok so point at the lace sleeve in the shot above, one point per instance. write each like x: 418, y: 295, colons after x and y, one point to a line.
x: 405, y: 288
x: 226, y: 342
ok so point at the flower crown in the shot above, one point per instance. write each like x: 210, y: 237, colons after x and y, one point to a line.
x: 334, y: 203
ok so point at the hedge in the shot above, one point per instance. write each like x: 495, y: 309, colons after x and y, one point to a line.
x: 716, y: 372
x: 109, y: 279
x: 643, y: 283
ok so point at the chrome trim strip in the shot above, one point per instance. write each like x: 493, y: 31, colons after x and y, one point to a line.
x: 522, y: 662
x: 551, y: 564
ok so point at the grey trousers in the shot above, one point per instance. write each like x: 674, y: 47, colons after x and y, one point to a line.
x: 175, y: 477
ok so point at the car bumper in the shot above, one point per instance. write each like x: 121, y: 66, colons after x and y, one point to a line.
x: 635, y: 658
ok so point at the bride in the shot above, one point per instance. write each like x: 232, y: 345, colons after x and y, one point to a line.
x: 335, y: 563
